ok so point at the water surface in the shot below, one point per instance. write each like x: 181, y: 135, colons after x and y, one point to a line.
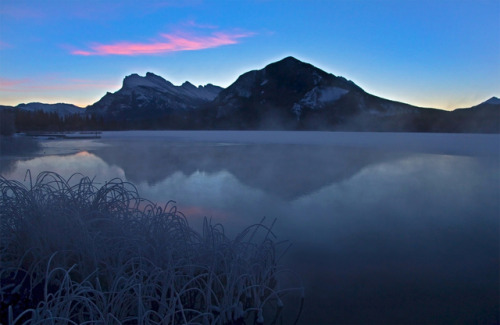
x: 386, y: 227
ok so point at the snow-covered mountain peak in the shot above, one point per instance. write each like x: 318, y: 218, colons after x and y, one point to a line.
x: 153, y: 93
x: 150, y: 80
x: 207, y: 93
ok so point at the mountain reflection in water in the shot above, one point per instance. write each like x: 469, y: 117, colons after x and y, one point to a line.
x: 379, y: 236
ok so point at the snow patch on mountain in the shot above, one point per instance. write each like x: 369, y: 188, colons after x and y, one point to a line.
x: 331, y: 94
x: 150, y: 80
x: 317, y: 98
x: 317, y: 78
x: 208, y: 92
x: 135, y: 83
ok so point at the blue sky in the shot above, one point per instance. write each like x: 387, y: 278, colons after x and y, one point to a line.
x: 439, y: 53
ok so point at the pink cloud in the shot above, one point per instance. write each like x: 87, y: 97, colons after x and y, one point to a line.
x: 168, y: 43
x: 4, y: 45
x: 6, y: 83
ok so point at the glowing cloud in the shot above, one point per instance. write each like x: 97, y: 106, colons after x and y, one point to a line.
x: 6, y: 83
x: 4, y: 45
x: 168, y: 43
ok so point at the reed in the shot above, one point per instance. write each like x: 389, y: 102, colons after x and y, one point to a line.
x: 76, y: 252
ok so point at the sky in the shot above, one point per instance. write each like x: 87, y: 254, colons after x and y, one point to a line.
x: 430, y: 53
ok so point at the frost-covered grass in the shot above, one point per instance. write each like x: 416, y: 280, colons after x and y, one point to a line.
x: 74, y: 252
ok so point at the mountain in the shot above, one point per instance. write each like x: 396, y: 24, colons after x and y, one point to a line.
x: 40, y: 117
x: 290, y: 94
x: 61, y: 109
x: 482, y: 118
x: 151, y: 97
x: 492, y: 101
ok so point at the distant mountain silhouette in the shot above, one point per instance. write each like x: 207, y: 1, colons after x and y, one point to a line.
x: 288, y: 94
x: 61, y: 109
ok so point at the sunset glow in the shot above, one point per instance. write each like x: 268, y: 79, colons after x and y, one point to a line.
x: 441, y: 54
x: 170, y: 43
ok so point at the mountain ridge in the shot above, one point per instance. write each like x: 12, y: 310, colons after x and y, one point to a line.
x: 291, y: 94
x: 286, y: 94
x: 138, y: 91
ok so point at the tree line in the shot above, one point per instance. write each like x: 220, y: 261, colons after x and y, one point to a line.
x: 16, y: 120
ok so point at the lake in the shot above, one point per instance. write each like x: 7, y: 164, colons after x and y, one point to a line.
x: 385, y: 227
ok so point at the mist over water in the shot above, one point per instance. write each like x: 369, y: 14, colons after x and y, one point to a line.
x: 386, y: 228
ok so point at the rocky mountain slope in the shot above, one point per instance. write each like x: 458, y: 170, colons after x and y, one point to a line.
x: 293, y: 94
x: 288, y: 94
x: 152, y: 96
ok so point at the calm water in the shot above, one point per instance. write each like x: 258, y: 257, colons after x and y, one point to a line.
x: 386, y: 228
